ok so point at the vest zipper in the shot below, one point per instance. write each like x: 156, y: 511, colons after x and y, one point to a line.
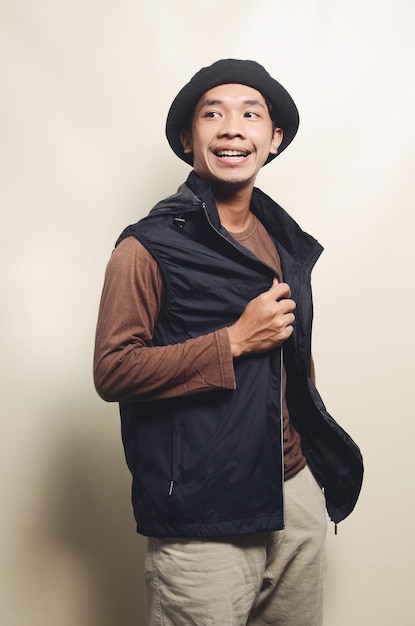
x: 282, y: 438
x: 281, y: 356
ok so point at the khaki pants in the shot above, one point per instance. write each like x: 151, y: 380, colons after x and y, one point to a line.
x: 273, y: 579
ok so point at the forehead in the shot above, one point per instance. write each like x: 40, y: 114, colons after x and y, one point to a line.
x: 232, y: 93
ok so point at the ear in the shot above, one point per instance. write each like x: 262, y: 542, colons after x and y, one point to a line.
x: 276, y: 140
x: 186, y: 141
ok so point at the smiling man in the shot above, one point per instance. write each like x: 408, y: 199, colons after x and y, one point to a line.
x: 231, y: 136
x: 204, y: 338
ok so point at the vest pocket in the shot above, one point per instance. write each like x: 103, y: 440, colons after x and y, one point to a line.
x: 176, y: 447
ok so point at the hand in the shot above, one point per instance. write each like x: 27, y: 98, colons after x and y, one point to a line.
x: 265, y: 323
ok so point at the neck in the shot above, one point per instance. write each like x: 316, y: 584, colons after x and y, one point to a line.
x: 233, y: 207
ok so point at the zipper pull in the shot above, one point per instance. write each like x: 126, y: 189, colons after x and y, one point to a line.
x: 335, y: 529
x: 171, y: 488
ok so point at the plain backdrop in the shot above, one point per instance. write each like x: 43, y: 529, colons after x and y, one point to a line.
x: 85, y: 88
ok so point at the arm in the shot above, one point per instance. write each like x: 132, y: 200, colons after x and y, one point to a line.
x: 126, y: 368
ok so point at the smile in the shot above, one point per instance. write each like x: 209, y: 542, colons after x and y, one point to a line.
x: 231, y: 154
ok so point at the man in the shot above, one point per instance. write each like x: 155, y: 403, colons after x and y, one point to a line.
x: 204, y: 338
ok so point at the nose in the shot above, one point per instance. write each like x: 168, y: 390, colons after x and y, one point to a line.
x: 232, y: 126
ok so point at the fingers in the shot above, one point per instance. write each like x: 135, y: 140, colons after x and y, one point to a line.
x: 279, y: 290
x: 283, y: 307
x: 266, y: 322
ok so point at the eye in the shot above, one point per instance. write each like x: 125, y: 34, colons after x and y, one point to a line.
x: 251, y: 115
x: 211, y: 114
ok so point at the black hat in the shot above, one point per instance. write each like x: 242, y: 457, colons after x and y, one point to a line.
x: 250, y: 73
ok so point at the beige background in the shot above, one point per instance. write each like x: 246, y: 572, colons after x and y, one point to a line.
x: 85, y: 87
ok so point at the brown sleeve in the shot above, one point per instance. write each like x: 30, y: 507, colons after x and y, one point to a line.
x: 126, y: 368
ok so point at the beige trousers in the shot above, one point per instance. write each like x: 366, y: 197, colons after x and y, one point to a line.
x: 273, y: 579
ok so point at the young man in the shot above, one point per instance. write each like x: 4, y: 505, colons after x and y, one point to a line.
x: 204, y: 338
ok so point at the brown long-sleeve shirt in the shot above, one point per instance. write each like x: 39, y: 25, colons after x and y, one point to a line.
x: 127, y: 368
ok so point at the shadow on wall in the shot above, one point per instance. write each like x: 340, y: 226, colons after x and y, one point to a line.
x: 88, y: 558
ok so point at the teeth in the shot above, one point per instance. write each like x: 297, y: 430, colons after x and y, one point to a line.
x: 231, y: 153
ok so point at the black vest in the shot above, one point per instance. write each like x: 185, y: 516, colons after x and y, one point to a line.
x: 211, y: 464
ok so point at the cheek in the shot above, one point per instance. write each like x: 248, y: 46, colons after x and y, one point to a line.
x: 200, y: 148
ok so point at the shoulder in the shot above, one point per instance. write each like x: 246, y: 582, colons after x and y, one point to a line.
x: 128, y: 249
x: 131, y: 255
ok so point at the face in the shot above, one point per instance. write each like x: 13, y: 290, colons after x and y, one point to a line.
x: 231, y: 135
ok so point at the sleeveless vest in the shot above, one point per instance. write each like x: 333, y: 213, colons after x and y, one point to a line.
x: 211, y: 464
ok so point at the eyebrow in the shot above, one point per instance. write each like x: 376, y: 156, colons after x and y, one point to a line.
x: 215, y: 101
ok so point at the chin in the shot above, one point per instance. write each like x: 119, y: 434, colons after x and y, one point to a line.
x: 235, y: 180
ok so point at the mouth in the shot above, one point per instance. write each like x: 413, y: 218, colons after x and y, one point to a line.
x: 231, y: 154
